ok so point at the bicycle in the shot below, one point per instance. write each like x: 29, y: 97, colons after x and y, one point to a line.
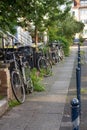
x: 23, y: 63
x: 43, y: 64
x: 25, y: 70
x: 19, y: 68
x: 16, y: 78
x: 15, y: 75
x: 60, y: 52
x: 39, y: 61
x: 53, y: 52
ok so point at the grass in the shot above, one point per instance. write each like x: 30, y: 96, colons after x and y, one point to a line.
x: 82, y: 57
x: 83, y: 90
x: 36, y: 79
x: 1, y: 97
x: 82, y: 52
x: 13, y: 103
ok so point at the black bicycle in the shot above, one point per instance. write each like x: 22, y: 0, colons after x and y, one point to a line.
x: 43, y: 63
x: 19, y: 71
x: 38, y: 59
x: 16, y: 77
x: 53, y: 52
x: 25, y: 70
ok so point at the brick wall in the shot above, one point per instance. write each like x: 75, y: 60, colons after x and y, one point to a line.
x: 5, y: 84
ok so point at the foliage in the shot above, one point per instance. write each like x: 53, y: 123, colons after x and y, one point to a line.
x: 36, y: 79
x: 45, y: 15
x: 39, y: 12
x: 13, y: 103
x: 8, y: 15
x: 71, y: 26
x: 64, y: 32
x: 1, y: 97
x: 81, y: 39
x: 44, y: 49
x: 83, y: 90
x: 65, y: 45
x: 52, y: 32
x: 64, y: 28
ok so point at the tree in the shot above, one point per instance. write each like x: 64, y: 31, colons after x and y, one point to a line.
x: 70, y: 26
x: 31, y: 11
x: 8, y: 15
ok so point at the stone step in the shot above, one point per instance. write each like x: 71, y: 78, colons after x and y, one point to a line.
x: 3, y: 106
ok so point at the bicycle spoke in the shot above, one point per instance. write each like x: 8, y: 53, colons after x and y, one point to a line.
x: 18, y: 86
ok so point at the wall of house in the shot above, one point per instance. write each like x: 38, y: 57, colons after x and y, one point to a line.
x: 79, y: 11
x: 23, y: 36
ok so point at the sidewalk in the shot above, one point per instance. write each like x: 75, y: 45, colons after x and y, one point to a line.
x: 66, y: 120
x: 83, y: 125
x: 44, y: 110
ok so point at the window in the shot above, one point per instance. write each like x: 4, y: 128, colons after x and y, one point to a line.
x: 83, y: 14
x: 73, y: 13
x: 83, y: 2
x: 85, y: 31
x: 85, y: 21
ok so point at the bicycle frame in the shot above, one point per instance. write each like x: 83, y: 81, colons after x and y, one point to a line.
x: 22, y: 64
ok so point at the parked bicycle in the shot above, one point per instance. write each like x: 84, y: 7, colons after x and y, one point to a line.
x: 44, y: 64
x: 53, y: 52
x: 16, y: 78
x: 60, y: 51
x: 56, y: 52
x: 19, y: 71
x: 25, y: 69
x: 37, y: 59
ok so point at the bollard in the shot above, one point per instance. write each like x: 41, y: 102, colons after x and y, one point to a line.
x: 79, y: 54
x: 79, y: 59
x: 78, y: 47
x: 78, y: 85
x: 79, y: 50
x: 79, y: 62
x: 79, y: 65
x: 75, y: 114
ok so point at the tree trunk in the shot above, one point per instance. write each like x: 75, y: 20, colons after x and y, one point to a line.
x: 36, y: 35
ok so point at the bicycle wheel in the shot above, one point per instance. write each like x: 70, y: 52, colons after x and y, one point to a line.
x: 56, y: 58
x: 28, y: 81
x: 18, y: 86
x: 44, y: 66
x: 61, y: 54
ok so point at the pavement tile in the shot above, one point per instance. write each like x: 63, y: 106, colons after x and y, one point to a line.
x: 44, y: 111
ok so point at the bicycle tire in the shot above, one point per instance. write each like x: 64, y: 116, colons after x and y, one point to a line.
x: 56, y: 58
x: 28, y: 83
x: 18, y: 86
x: 61, y: 54
x: 44, y: 66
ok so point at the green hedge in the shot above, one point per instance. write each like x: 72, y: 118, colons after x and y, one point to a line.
x: 66, y: 45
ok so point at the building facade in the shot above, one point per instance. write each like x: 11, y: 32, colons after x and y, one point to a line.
x: 79, y: 11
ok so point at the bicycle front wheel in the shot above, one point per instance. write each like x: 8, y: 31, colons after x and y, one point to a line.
x: 55, y: 58
x: 44, y: 66
x: 61, y: 54
x: 18, y: 86
x: 28, y: 80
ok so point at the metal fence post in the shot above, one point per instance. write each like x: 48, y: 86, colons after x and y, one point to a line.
x: 78, y: 47
x: 79, y: 66
x: 79, y: 59
x: 79, y: 63
x: 78, y: 85
x: 79, y: 56
x: 75, y: 114
x: 79, y: 53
